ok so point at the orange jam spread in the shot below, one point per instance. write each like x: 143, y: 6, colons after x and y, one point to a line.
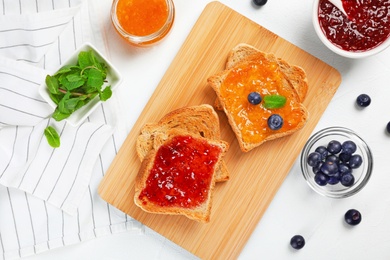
x: 182, y: 173
x: 142, y: 17
x: 262, y: 76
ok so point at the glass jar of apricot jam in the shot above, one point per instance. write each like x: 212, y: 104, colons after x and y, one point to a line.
x: 143, y: 22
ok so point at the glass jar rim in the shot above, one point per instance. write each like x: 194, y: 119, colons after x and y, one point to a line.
x: 146, y: 38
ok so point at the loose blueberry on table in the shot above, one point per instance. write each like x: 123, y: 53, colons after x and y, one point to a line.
x: 363, y: 100
x: 297, y: 242
x: 353, y: 217
x: 259, y: 2
x: 334, y: 163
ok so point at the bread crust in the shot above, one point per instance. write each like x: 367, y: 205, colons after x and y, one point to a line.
x: 294, y: 79
x: 201, y: 120
x: 200, y: 213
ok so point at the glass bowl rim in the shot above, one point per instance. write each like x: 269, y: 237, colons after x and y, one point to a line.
x: 343, y: 132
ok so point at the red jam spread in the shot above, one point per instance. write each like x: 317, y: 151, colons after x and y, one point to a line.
x: 367, y: 25
x: 264, y: 77
x: 182, y: 173
x: 142, y: 17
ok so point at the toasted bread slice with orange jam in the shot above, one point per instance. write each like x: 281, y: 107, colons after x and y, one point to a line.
x: 201, y: 120
x: 250, y: 70
x: 177, y: 176
x: 295, y: 75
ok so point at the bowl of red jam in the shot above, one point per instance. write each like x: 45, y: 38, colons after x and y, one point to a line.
x: 142, y: 23
x: 365, y: 30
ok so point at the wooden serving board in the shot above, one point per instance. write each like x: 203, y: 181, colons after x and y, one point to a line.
x: 257, y: 175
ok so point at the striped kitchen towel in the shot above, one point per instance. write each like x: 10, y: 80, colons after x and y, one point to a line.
x: 48, y: 197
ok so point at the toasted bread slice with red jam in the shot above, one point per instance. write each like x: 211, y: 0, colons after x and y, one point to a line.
x: 177, y: 176
x: 201, y: 120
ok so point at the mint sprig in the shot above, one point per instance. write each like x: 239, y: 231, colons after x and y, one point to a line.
x: 274, y: 101
x: 73, y: 86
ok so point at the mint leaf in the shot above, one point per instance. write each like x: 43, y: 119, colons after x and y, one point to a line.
x: 52, y: 137
x: 56, y: 97
x: 73, y: 77
x: 62, y: 107
x: 52, y: 84
x: 58, y: 115
x: 71, y: 104
x: 66, y: 69
x: 106, y: 93
x: 95, y: 78
x: 274, y: 101
x: 84, y: 60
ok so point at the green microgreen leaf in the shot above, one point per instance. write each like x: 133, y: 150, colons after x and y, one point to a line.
x: 274, y: 101
x: 52, y: 137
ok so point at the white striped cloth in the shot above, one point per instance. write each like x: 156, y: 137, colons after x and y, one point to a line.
x: 48, y: 197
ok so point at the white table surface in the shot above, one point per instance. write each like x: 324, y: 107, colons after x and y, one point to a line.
x: 296, y: 209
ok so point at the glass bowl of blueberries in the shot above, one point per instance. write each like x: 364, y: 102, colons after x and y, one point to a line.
x: 336, y: 162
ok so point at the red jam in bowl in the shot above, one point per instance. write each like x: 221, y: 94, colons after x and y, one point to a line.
x: 367, y: 25
x: 182, y: 173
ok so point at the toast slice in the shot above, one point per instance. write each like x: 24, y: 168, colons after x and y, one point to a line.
x: 177, y: 176
x: 294, y: 74
x: 252, y: 71
x: 201, y: 120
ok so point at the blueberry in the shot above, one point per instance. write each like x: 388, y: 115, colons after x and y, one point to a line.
x: 297, y: 242
x: 355, y: 161
x: 259, y: 2
x: 344, y: 157
x: 334, y: 147
x: 329, y: 168
x: 323, y: 151
x: 332, y: 158
x: 347, y: 179
x: 314, y: 159
x: 254, y: 98
x: 334, y: 179
x: 363, y: 100
x: 317, y: 169
x: 344, y: 169
x: 353, y: 217
x: 321, y: 179
x: 275, y: 122
x: 349, y: 147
